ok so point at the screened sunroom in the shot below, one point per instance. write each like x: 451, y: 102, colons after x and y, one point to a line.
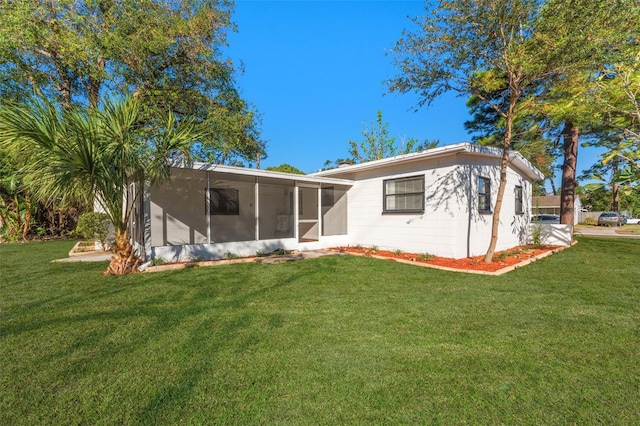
x: 212, y: 211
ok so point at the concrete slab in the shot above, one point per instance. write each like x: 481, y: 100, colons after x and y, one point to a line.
x: 266, y: 260
x: 90, y: 257
x: 311, y: 254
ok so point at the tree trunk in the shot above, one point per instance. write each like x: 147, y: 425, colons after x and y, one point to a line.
x: 504, y: 163
x: 495, y: 224
x: 95, y: 82
x: 26, y: 226
x: 567, y: 192
x: 124, y: 259
x: 94, y: 93
x: 554, y: 191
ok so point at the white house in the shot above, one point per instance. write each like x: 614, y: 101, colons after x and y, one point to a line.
x: 438, y: 201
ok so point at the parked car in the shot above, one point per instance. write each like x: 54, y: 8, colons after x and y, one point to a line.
x: 632, y: 221
x: 546, y: 218
x: 610, y: 219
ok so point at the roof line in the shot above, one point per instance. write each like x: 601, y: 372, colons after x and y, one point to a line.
x: 266, y: 173
x: 434, y: 153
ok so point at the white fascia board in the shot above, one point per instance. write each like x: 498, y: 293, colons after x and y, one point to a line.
x: 522, y: 163
x: 414, y: 156
x: 515, y: 159
x: 267, y: 174
x: 525, y: 166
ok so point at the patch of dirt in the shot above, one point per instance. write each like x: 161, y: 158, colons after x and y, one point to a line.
x: 501, y: 259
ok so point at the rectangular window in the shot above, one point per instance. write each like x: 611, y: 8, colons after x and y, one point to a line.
x: 404, y: 195
x: 224, y: 201
x: 484, y: 195
x: 519, y: 204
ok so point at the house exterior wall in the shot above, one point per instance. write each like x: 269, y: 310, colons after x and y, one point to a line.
x: 306, y: 213
x: 451, y: 225
x: 513, y: 226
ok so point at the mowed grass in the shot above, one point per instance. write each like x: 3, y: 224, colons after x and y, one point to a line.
x: 628, y: 229
x: 336, y: 340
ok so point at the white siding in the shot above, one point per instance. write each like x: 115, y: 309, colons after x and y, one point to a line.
x: 451, y: 225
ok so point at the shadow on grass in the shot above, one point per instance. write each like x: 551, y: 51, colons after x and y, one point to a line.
x: 94, y: 323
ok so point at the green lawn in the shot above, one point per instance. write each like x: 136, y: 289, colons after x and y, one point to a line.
x: 628, y: 229
x: 336, y: 340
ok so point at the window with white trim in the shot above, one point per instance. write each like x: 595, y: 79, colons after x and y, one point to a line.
x: 519, y: 201
x: 403, y: 195
x: 484, y: 195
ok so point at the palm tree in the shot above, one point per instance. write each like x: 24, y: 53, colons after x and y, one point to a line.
x: 93, y: 155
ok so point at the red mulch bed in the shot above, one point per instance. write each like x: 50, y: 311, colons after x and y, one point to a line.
x: 500, y: 259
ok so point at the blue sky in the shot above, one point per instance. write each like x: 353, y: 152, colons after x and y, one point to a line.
x: 315, y: 71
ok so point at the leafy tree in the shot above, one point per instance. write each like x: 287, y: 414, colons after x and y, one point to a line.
x: 617, y: 97
x: 167, y: 54
x: 598, y: 197
x: 474, y: 48
x: 607, y: 173
x: 94, y: 226
x: 21, y: 213
x: 529, y: 135
x: 502, y: 48
x: 286, y: 168
x: 16, y: 200
x: 94, y: 154
x: 596, y: 35
x: 328, y: 164
x: 378, y: 144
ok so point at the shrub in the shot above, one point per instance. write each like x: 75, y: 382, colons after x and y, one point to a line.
x: 536, y: 235
x: 94, y: 226
x: 425, y: 257
x: 591, y: 221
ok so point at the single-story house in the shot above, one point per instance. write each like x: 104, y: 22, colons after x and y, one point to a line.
x: 439, y: 201
x: 550, y: 204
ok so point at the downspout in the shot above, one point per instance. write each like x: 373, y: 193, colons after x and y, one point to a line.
x: 146, y: 208
x: 319, y: 212
x: 470, y: 205
x: 207, y: 198
x: 296, y: 211
x: 257, y: 209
